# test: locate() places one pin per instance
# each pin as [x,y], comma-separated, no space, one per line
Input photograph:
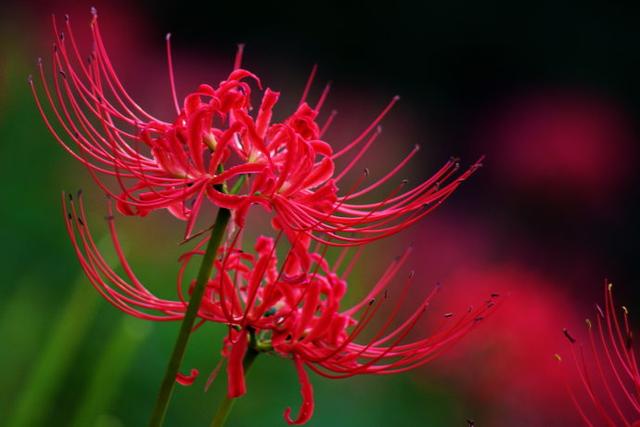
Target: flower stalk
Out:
[227,403]
[206,268]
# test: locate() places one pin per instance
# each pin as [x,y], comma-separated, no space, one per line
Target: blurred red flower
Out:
[563,145]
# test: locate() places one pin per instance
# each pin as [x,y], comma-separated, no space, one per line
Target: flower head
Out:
[299,317]
[607,368]
[218,149]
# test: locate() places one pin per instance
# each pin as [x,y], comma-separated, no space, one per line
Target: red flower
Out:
[610,378]
[215,149]
[295,316]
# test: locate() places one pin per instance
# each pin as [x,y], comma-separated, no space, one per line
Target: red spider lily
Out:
[216,149]
[610,378]
[295,316]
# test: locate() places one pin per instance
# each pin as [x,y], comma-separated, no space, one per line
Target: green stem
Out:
[227,403]
[206,268]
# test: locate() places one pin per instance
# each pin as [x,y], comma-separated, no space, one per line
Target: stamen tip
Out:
[558,357]
[167,37]
[66,17]
[566,333]
[396,98]
[30,79]
[94,11]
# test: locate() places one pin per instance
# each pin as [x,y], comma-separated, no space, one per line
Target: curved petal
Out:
[306,390]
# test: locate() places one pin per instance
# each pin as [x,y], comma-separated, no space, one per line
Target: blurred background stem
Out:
[49,370]
[110,370]
[34,399]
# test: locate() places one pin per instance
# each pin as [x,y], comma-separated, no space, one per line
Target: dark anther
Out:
[76,134]
[70,197]
[405,181]
[566,333]
[30,79]
[412,273]
[478,318]
[386,294]
[366,171]
[448,315]
[495,295]
[471,423]
[371,301]
[66,17]
[80,221]
[69,216]
[62,36]
[55,48]
[109,217]
[63,74]
[80,193]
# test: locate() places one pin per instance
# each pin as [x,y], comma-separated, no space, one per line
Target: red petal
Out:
[187,380]
[306,390]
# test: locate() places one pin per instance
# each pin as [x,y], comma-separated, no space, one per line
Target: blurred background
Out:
[547,90]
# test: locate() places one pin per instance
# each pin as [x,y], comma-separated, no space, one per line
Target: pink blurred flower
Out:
[294,316]
[564,145]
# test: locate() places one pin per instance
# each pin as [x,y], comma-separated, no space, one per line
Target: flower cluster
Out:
[607,368]
[297,317]
[214,143]
[218,149]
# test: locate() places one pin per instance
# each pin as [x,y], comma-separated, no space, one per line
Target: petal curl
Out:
[306,390]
